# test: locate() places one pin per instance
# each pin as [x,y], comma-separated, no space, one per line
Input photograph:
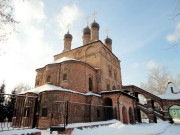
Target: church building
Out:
[83,84]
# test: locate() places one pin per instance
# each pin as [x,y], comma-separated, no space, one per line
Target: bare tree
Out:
[177,81]
[175,16]
[22,87]
[2,91]
[157,80]
[7,21]
[176,12]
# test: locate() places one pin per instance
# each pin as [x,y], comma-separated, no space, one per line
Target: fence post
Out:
[90,113]
[36,113]
[67,112]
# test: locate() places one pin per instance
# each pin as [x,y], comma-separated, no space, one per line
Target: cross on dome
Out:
[94,15]
[107,31]
[68,26]
[87,19]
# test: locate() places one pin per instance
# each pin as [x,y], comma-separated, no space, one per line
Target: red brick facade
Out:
[89,68]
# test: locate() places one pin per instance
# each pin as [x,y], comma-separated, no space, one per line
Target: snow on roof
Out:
[46,87]
[171,92]
[108,91]
[111,91]
[50,87]
[91,93]
[64,59]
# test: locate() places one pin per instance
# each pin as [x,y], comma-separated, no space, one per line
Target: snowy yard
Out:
[161,128]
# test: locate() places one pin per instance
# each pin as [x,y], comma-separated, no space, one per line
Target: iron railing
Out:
[21,111]
[66,112]
[16,111]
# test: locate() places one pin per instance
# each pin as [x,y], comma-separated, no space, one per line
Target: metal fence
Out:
[70,112]
[21,111]
[12,108]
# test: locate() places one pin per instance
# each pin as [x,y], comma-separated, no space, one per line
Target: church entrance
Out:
[124,114]
[131,116]
[108,109]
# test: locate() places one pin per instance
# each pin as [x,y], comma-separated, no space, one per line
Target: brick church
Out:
[89,75]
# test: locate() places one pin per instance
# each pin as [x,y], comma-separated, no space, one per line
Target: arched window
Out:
[124,114]
[113,88]
[115,75]
[110,72]
[64,77]
[90,84]
[48,79]
[37,82]
[44,112]
[131,116]
[108,87]
[118,87]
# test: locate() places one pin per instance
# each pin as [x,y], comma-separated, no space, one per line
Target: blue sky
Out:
[142,32]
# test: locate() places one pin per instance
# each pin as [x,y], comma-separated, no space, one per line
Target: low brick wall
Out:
[69,130]
[33,133]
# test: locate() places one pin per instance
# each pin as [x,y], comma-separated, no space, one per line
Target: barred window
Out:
[48,79]
[64,77]
[98,113]
[44,112]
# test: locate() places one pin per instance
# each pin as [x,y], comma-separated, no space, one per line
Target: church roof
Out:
[50,87]
[68,59]
[46,87]
[108,40]
[68,35]
[95,25]
[86,30]
[64,59]
[117,91]
[171,92]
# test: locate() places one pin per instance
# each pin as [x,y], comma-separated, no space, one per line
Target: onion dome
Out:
[95,25]
[86,30]
[108,40]
[68,35]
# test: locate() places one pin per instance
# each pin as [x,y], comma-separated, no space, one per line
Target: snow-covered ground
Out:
[161,128]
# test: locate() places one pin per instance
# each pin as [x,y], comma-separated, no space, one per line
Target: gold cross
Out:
[107,31]
[94,15]
[68,26]
[87,18]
